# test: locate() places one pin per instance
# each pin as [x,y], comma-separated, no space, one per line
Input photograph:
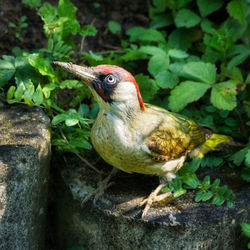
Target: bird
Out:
[138,137]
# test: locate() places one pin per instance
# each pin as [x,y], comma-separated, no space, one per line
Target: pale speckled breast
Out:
[120,147]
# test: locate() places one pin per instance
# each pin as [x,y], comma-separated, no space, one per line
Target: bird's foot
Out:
[155,197]
[102,186]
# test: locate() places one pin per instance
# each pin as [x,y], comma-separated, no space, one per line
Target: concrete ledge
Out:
[24,165]
[114,222]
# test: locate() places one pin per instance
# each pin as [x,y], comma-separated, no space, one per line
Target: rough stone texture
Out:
[24,165]
[114,221]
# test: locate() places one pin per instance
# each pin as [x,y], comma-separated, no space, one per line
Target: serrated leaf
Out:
[186,92]
[47,12]
[207,7]
[114,27]
[38,95]
[177,53]
[166,79]
[223,95]
[143,34]
[238,9]
[186,18]
[158,63]
[204,72]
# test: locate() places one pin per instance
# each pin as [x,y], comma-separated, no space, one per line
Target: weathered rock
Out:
[114,221]
[24,165]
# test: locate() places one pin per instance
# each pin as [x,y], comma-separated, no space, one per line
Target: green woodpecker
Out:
[137,137]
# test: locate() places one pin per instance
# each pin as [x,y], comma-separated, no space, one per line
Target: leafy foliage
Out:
[195,64]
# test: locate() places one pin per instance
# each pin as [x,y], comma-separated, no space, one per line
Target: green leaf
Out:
[166,79]
[247,160]
[43,65]
[11,92]
[207,7]
[147,86]
[161,21]
[181,39]
[7,70]
[223,95]
[158,63]
[246,229]
[80,143]
[238,9]
[186,92]
[143,34]
[114,27]
[195,164]
[245,174]
[48,88]
[215,185]
[218,200]
[152,50]
[186,18]
[38,95]
[47,12]
[71,121]
[70,84]
[32,3]
[28,94]
[204,72]
[19,93]
[58,119]
[177,53]
[88,30]
[191,180]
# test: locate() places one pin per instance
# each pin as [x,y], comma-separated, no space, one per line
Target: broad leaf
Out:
[114,27]
[207,7]
[158,63]
[238,9]
[185,93]
[177,53]
[204,72]
[186,18]
[223,95]
[166,79]
[38,95]
[143,34]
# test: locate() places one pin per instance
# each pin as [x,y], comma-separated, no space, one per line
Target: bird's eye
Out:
[110,79]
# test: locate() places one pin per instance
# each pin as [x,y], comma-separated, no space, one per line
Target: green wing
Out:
[174,137]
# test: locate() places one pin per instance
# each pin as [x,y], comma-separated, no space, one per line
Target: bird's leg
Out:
[101,187]
[155,197]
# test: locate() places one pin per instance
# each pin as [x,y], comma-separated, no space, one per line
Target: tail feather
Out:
[216,142]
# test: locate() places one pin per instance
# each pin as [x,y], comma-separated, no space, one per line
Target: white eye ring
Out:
[110,79]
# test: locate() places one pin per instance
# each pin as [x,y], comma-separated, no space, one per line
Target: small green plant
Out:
[195,61]
[19,27]
[246,229]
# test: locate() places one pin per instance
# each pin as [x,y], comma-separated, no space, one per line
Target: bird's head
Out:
[114,87]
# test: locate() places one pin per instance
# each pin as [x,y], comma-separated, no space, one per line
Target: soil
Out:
[127,13]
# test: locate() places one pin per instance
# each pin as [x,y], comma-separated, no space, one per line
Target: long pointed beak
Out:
[85,73]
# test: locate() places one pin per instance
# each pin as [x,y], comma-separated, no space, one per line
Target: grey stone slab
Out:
[24,172]
[114,221]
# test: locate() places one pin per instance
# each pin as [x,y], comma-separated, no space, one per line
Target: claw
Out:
[155,198]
